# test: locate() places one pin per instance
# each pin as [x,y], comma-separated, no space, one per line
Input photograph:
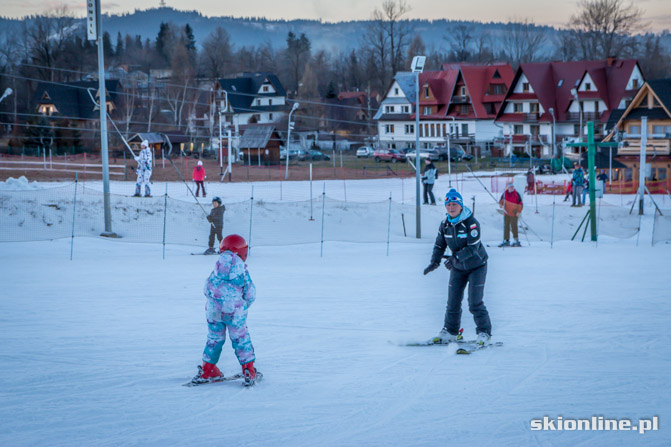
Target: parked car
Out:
[314,154]
[364,152]
[458,154]
[431,154]
[294,154]
[388,155]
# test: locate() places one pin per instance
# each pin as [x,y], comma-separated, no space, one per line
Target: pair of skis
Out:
[197,381]
[465,347]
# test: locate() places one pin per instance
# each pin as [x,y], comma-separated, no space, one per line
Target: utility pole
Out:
[642,168]
[417,67]
[95,32]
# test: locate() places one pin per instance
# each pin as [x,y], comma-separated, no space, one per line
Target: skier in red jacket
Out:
[199,177]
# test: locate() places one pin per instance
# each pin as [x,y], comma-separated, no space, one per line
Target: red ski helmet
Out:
[236,244]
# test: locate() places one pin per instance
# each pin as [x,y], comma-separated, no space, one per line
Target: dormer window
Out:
[634,83]
[426,92]
[463,91]
[265,89]
[525,87]
[588,86]
[427,110]
[395,90]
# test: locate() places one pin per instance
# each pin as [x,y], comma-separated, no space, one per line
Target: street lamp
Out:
[289,126]
[574,92]
[417,67]
[449,155]
[8,91]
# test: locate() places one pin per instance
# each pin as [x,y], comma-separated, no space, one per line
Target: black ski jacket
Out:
[463,240]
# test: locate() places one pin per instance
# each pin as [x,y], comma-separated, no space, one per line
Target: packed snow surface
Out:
[94,351]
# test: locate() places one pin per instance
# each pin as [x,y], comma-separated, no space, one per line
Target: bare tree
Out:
[45,39]
[461,40]
[522,41]
[417,47]
[604,27]
[375,41]
[217,54]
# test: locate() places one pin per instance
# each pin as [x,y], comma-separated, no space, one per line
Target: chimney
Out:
[610,61]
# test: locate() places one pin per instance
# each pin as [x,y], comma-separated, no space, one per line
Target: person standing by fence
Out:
[511,203]
[429,178]
[199,177]
[144,169]
[578,182]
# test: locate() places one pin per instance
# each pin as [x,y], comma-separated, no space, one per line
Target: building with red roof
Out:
[458,103]
[559,98]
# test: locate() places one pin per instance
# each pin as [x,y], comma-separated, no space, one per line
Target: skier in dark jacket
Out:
[460,231]
[216,219]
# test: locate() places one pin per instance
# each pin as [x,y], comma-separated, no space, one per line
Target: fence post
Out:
[321,252]
[165,216]
[251,208]
[389,224]
[74,208]
[552,232]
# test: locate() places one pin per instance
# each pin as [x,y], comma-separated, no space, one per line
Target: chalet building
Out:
[562,96]
[460,101]
[72,101]
[350,112]
[653,101]
[250,98]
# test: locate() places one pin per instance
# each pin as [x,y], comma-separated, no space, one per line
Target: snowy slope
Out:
[94,350]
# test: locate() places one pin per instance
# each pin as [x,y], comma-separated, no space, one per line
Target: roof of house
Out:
[478,78]
[72,99]
[552,83]
[256,137]
[243,90]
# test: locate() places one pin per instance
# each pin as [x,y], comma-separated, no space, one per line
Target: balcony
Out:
[586,116]
[531,117]
[461,99]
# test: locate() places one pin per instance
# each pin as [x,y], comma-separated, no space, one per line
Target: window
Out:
[634,83]
[388,109]
[463,91]
[560,83]
[634,129]
[667,129]
[464,109]
[432,130]
[265,89]
[533,107]
[464,129]
[588,86]
[661,174]
[427,110]
[534,130]
[525,87]
[405,109]
[270,102]
[426,92]
[258,102]
[497,89]
[517,107]
[388,128]
[409,129]
[396,91]
[658,129]
[270,117]
[518,129]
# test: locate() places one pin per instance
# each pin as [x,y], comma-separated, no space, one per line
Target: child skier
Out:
[230,292]
[216,219]
[144,170]
[199,177]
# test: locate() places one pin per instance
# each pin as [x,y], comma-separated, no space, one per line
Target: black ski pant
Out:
[428,193]
[476,288]
[215,231]
[200,185]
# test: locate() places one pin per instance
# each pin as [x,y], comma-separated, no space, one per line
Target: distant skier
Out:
[578,182]
[511,203]
[230,292]
[144,169]
[199,177]
[428,179]
[460,231]
[216,219]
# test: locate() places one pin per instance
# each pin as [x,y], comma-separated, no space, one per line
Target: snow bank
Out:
[20,184]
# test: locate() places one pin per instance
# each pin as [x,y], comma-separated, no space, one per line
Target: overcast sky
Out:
[550,12]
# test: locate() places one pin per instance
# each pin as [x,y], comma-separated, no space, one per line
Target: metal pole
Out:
[74,209]
[321,250]
[230,167]
[165,217]
[552,232]
[641,169]
[449,162]
[221,159]
[311,218]
[251,208]
[418,212]
[102,101]
[591,153]
[389,224]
